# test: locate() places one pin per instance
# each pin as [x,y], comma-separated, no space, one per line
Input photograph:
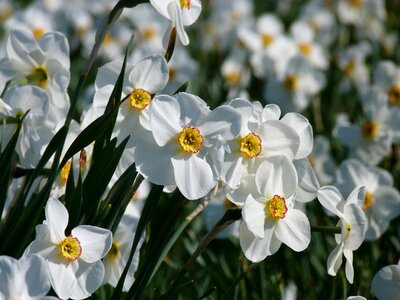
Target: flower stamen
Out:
[70,248]
[251,145]
[276,207]
[139,99]
[190,139]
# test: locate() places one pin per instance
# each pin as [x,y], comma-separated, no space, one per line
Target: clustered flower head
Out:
[295,106]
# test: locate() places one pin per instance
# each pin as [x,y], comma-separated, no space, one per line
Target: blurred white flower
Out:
[386,283]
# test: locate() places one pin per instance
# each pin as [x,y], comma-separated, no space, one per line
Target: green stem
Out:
[326,229]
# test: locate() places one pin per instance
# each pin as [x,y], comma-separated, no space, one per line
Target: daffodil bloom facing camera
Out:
[270,219]
[187,143]
[353,223]
[74,261]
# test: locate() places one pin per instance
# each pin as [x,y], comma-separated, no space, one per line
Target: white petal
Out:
[36,275]
[335,259]
[57,218]
[223,123]
[164,119]
[150,74]
[176,16]
[385,283]
[9,275]
[193,176]
[276,176]
[279,139]
[303,128]
[271,112]
[294,230]
[331,199]
[358,226]
[256,249]
[357,196]
[253,213]
[95,242]
[88,279]
[349,265]
[308,182]
[62,278]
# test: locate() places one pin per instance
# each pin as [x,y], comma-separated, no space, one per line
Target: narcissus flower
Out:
[74,261]
[353,224]
[386,283]
[270,219]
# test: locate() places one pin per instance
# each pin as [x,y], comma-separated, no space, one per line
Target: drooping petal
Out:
[164,119]
[349,265]
[331,199]
[253,213]
[256,249]
[95,242]
[176,16]
[335,259]
[276,176]
[57,218]
[294,230]
[193,176]
[150,74]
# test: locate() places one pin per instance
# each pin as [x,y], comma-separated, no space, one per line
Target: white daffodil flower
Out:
[141,82]
[358,12]
[43,62]
[270,219]
[386,283]
[74,261]
[116,259]
[295,86]
[26,278]
[382,200]
[353,224]
[189,138]
[181,13]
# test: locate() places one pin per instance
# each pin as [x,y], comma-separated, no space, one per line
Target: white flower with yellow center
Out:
[270,219]
[181,13]
[74,261]
[353,223]
[382,200]
[43,62]
[295,85]
[189,138]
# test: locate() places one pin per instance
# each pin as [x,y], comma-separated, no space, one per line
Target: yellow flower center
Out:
[148,33]
[185,3]
[107,39]
[369,200]
[39,76]
[267,39]
[349,69]
[305,49]
[370,129]
[38,32]
[250,145]
[394,95]
[65,172]
[276,207]
[290,82]
[114,251]
[70,248]
[356,3]
[233,77]
[139,99]
[190,139]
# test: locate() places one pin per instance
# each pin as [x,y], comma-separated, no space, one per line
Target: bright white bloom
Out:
[295,86]
[358,12]
[386,283]
[117,258]
[43,62]
[322,161]
[382,200]
[270,218]
[26,278]
[353,224]
[74,261]
[190,137]
[180,12]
